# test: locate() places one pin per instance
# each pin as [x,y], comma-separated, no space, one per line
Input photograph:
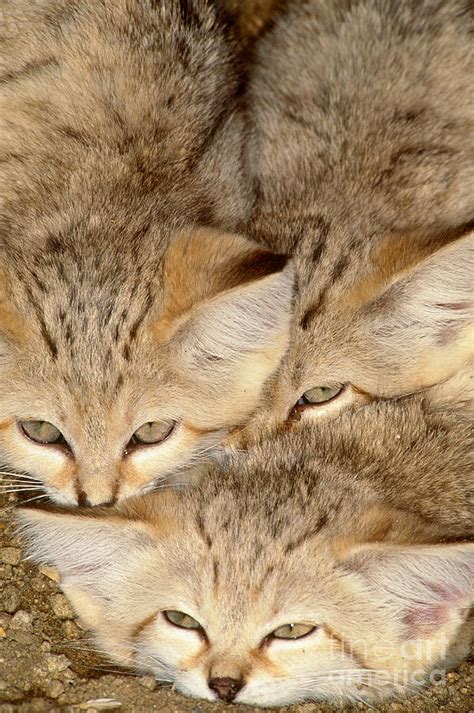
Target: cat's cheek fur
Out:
[170,459]
[193,683]
[51,465]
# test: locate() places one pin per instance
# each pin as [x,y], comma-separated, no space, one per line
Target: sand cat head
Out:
[269,584]
[406,326]
[116,374]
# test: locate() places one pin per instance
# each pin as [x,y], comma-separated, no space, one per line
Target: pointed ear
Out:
[429,587]
[80,546]
[230,328]
[234,342]
[422,327]
[75,542]
[87,551]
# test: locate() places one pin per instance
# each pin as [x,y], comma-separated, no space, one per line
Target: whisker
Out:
[20,486]
[37,497]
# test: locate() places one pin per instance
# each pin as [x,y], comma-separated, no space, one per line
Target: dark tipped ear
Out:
[231,344]
[421,329]
[203,263]
[426,586]
[231,339]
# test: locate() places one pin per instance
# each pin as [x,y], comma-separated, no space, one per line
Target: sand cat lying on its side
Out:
[308,568]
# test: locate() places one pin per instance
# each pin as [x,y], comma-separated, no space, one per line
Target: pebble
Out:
[10,599]
[56,664]
[54,689]
[50,572]
[61,607]
[10,555]
[70,630]
[21,620]
[3,633]
[99,704]
[147,682]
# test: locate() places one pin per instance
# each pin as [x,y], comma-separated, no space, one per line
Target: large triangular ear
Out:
[78,544]
[427,589]
[85,549]
[228,316]
[421,329]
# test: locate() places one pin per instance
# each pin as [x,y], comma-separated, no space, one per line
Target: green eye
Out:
[153,432]
[319,395]
[292,631]
[179,618]
[41,432]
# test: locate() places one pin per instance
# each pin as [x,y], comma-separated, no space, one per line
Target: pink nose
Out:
[226,688]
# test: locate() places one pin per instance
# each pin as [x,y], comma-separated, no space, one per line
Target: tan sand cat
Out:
[133,333]
[361,151]
[308,568]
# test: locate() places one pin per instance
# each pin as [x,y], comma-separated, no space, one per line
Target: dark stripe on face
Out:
[139,628]
[146,308]
[312,312]
[215,572]
[202,531]
[47,337]
[306,536]
[268,572]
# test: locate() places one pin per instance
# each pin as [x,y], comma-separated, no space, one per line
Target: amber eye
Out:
[292,631]
[179,618]
[153,432]
[41,432]
[319,395]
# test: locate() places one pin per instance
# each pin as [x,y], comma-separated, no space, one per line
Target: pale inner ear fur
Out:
[202,263]
[226,320]
[420,331]
[429,587]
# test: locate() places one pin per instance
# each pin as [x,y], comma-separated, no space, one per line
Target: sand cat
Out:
[135,327]
[308,568]
[361,149]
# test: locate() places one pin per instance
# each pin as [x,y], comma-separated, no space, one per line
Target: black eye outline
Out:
[273,637]
[60,442]
[198,628]
[303,403]
[135,442]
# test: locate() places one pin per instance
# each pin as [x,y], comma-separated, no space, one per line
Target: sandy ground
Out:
[46,663]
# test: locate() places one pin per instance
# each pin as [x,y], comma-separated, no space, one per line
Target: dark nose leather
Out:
[84,502]
[226,688]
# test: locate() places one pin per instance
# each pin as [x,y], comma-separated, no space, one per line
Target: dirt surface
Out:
[46,663]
